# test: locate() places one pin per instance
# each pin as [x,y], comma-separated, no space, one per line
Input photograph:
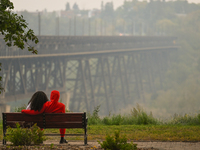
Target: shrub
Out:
[25,136]
[94,118]
[117,119]
[107,121]
[117,143]
[19,109]
[198,116]
[66,110]
[142,118]
[185,120]
[114,120]
[138,117]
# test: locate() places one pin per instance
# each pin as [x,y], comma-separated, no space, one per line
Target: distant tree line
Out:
[132,18]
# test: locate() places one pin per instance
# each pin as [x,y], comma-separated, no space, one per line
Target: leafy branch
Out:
[15,28]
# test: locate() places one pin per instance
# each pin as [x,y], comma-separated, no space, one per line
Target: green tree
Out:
[67,6]
[75,7]
[109,10]
[166,26]
[15,29]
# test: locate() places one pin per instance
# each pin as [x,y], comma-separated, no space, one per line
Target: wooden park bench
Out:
[47,120]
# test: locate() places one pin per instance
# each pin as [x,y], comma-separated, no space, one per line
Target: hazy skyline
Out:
[51,5]
[54,5]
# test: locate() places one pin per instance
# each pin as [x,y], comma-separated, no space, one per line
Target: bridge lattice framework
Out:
[109,71]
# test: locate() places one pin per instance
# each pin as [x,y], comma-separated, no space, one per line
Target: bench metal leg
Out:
[4,142]
[85,135]
[4,135]
[4,127]
[85,139]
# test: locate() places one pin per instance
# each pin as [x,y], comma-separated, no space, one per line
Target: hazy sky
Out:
[51,5]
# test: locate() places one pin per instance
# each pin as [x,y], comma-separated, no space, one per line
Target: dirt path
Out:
[78,145]
[50,144]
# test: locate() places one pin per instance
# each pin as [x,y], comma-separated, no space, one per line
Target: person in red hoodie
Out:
[39,104]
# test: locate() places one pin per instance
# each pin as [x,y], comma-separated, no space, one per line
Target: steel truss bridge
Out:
[111,71]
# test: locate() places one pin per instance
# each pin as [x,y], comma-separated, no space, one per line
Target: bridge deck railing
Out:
[74,44]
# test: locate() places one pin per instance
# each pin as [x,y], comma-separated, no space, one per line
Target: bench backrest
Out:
[46,120]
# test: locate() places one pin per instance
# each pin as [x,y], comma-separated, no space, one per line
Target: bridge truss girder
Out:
[113,81]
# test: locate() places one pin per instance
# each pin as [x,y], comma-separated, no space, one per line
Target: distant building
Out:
[35,13]
[67,14]
[181,15]
[94,13]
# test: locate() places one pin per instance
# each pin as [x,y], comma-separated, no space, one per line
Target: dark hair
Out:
[37,100]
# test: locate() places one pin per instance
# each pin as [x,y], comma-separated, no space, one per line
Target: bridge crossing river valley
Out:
[110,71]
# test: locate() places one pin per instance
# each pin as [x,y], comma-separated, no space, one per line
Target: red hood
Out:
[55,95]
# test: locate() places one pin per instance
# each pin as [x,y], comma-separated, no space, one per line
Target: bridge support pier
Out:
[4,108]
[65,98]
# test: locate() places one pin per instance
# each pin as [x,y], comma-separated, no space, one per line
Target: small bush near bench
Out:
[25,136]
[117,143]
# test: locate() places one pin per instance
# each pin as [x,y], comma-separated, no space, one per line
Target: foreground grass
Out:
[149,133]
[138,132]
[134,132]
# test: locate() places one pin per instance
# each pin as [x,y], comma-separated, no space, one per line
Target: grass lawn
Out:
[139,132]
[147,132]
[136,132]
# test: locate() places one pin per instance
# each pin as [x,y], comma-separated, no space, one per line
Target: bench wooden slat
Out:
[64,125]
[63,117]
[65,134]
[23,117]
[66,114]
[40,119]
[47,125]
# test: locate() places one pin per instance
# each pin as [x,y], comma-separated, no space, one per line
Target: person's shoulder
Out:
[61,104]
[47,103]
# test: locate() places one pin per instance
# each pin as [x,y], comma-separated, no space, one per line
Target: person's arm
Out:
[28,107]
[33,112]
